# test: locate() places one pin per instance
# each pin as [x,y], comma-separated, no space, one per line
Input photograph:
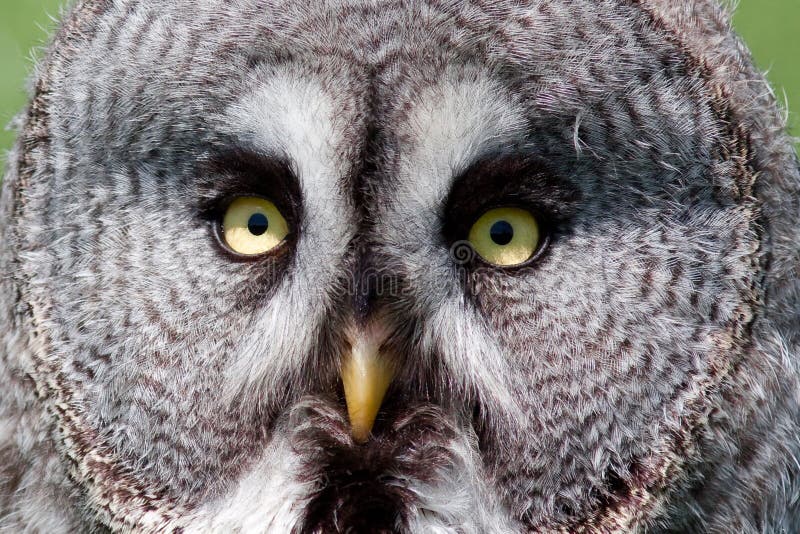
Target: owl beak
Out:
[366,375]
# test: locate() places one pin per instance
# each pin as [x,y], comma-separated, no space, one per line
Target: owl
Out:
[425,266]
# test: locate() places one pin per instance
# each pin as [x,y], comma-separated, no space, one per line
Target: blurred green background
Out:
[771,28]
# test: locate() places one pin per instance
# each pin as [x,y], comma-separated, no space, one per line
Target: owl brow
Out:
[503,179]
[238,171]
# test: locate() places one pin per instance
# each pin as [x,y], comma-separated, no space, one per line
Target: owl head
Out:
[415,266]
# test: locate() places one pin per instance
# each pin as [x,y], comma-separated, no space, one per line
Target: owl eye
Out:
[253,226]
[505,236]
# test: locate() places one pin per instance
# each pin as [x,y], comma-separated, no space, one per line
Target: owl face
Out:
[408,266]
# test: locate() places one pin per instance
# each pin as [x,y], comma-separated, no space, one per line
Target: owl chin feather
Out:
[172,362]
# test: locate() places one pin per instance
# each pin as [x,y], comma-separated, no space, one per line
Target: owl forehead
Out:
[415,143]
[408,130]
[417,88]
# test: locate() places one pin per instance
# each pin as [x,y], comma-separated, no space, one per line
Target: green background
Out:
[771,28]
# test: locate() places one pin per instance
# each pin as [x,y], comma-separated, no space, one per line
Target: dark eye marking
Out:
[509,179]
[226,174]
[240,172]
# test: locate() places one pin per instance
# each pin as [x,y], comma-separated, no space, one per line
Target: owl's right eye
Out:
[253,226]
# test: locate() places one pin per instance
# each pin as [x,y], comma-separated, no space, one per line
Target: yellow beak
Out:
[366,375]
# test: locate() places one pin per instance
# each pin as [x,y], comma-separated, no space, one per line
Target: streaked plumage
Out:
[640,375]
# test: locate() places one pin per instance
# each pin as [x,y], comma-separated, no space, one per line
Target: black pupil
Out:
[502,232]
[258,224]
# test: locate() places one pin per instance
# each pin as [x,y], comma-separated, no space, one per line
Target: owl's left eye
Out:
[253,226]
[506,237]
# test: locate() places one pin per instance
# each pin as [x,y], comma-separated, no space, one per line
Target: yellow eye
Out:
[253,226]
[505,236]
